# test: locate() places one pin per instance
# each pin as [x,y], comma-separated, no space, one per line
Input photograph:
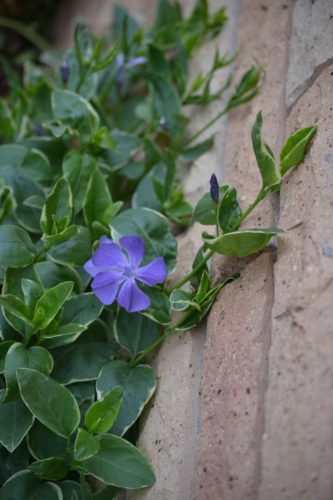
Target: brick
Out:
[236,350]
[310,45]
[297,453]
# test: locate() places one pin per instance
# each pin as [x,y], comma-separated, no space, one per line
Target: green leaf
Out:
[75,251]
[83,43]
[138,384]
[52,468]
[18,356]
[37,166]
[247,88]
[64,235]
[50,274]
[75,111]
[58,208]
[205,210]
[16,248]
[243,242]
[31,291]
[85,446]
[191,154]
[77,169]
[103,413]
[81,309]
[295,147]
[50,303]
[103,139]
[83,360]
[98,204]
[11,463]
[49,401]
[135,332]
[159,309]
[70,489]
[15,422]
[12,286]
[25,484]
[120,464]
[15,306]
[154,230]
[269,170]
[229,211]
[43,443]
[181,300]
[4,348]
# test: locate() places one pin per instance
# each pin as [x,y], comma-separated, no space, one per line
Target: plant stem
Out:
[260,196]
[194,271]
[27,32]
[153,346]
[207,126]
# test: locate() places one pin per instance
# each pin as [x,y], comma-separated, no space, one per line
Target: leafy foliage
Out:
[90,151]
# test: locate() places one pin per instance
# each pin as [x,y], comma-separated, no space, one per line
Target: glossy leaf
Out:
[77,169]
[25,484]
[243,242]
[270,174]
[43,443]
[135,332]
[75,251]
[49,304]
[57,211]
[15,422]
[16,248]
[228,212]
[50,402]
[18,356]
[52,468]
[85,446]
[119,463]
[50,274]
[103,413]
[295,147]
[138,384]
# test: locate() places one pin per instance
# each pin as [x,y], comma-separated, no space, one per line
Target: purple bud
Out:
[64,70]
[164,124]
[214,188]
[38,129]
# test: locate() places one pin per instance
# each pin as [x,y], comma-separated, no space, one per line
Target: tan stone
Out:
[297,454]
[235,363]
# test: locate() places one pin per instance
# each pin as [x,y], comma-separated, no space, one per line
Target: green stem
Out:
[190,275]
[27,32]
[153,346]
[207,126]
[260,196]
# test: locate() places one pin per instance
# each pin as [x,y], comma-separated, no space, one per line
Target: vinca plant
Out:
[90,202]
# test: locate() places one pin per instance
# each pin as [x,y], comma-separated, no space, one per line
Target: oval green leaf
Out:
[242,243]
[16,248]
[119,463]
[138,384]
[49,401]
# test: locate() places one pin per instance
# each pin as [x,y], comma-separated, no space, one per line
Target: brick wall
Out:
[244,408]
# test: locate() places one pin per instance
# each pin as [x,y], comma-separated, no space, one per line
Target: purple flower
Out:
[122,65]
[214,188]
[115,269]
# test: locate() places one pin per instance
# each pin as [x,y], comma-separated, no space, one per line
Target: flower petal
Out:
[153,273]
[90,268]
[132,298]
[109,255]
[105,286]
[134,248]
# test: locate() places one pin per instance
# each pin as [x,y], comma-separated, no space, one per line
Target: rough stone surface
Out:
[310,46]
[235,365]
[298,432]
